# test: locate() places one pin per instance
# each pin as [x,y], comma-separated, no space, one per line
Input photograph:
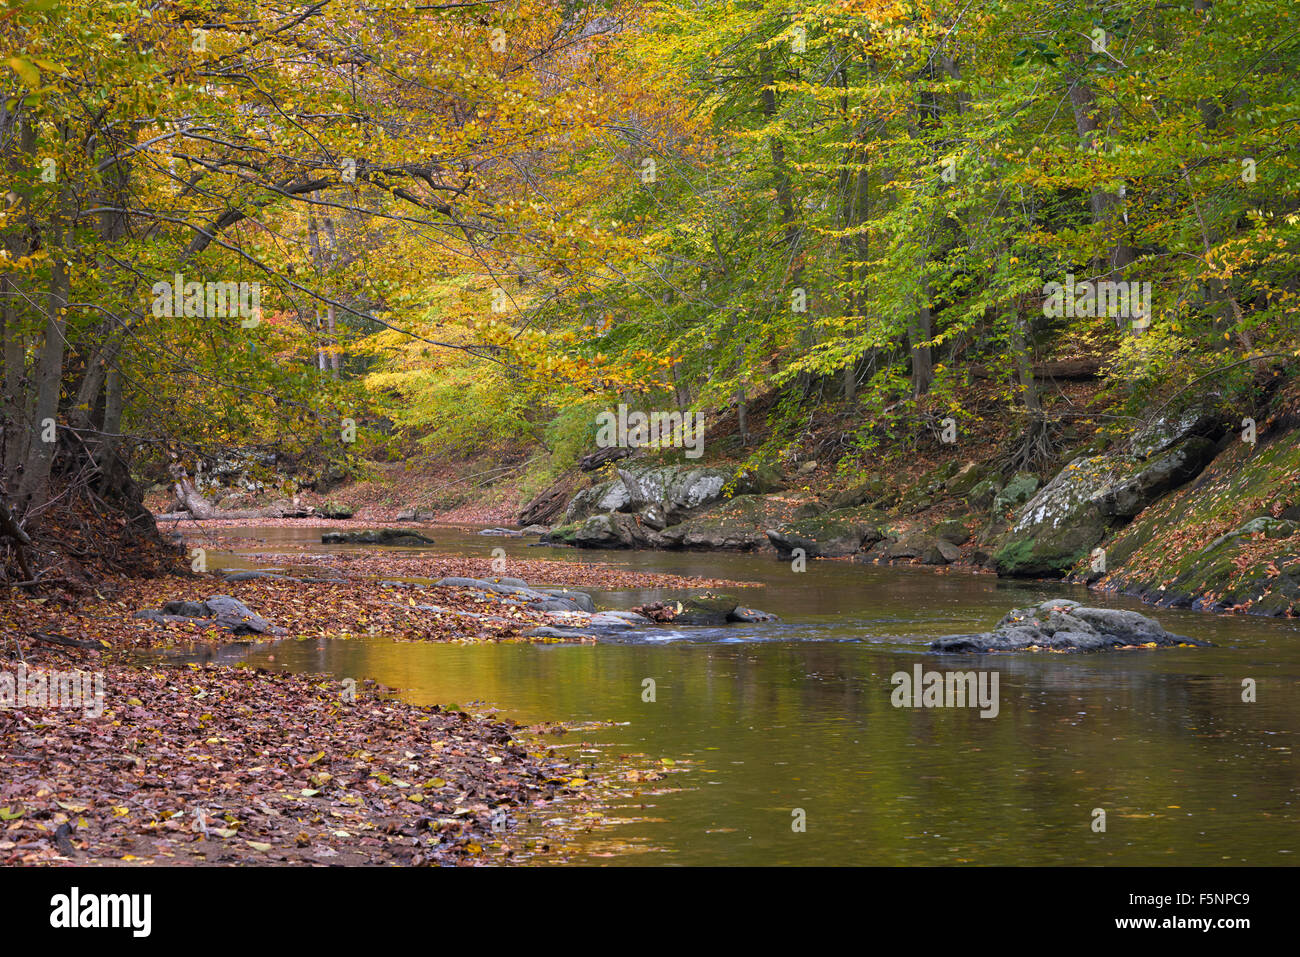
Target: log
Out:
[1085,368]
[589,463]
[550,503]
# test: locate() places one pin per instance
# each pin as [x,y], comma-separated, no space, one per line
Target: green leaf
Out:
[26,70]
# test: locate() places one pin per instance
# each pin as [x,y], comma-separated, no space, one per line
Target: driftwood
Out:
[549,504]
[68,642]
[589,463]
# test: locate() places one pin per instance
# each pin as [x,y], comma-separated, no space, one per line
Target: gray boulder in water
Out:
[222,611]
[1061,625]
[377,536]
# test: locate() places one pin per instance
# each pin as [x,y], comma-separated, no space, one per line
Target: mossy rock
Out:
[562,534]
[965,479]
[983,492]
[953,531]
[706,610]
[739,524]
[333,510]
[833,534]
[1018,490]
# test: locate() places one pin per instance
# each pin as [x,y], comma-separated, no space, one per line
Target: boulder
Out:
[221,611]
[1087,500]
[613,530]
[1061,625]
[677,489]
[952,531]
[538,599]
[965,479]
[983,493]
[706,610]
[1016,492]
[750,615]
[579,598]
[737,524]
[833,534]
[376,536]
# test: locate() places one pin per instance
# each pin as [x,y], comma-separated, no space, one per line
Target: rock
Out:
[940,553]
[759,480]
[380,536]
[750,615]
[952,531]
[738,524]
[1205,421]
[706,610]
[538,599]
[983,493]
[332,510]
[186,609]
[616,620]
[965,479]
[561,535]
[510,532]
[807,510]
[834,534]
[551,631]
[862,494]
[612,530]
[628,616]
[555,604]
[232,575]
[653,517]
[221,611]
[534,530]
[1087,500]
[1016,492]
[1061,625]
[916,545]
[579,598]
[677,489]
[414,515]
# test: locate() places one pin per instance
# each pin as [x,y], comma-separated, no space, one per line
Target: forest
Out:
[971,291]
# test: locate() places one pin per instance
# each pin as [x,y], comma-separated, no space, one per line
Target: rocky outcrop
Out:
[1060,625]
[833,534]
[1094,495]
[676,489]
[737,524]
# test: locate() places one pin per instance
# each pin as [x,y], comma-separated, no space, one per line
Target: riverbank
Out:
[227,765]
[161,762]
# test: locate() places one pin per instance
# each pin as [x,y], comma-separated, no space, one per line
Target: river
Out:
[776,719]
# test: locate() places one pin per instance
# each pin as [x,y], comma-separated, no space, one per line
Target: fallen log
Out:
[1085,368]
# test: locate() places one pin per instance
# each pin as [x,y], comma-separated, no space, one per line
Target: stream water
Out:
[798,715]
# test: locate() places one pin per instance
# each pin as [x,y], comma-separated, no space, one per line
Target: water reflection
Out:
[798,715]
